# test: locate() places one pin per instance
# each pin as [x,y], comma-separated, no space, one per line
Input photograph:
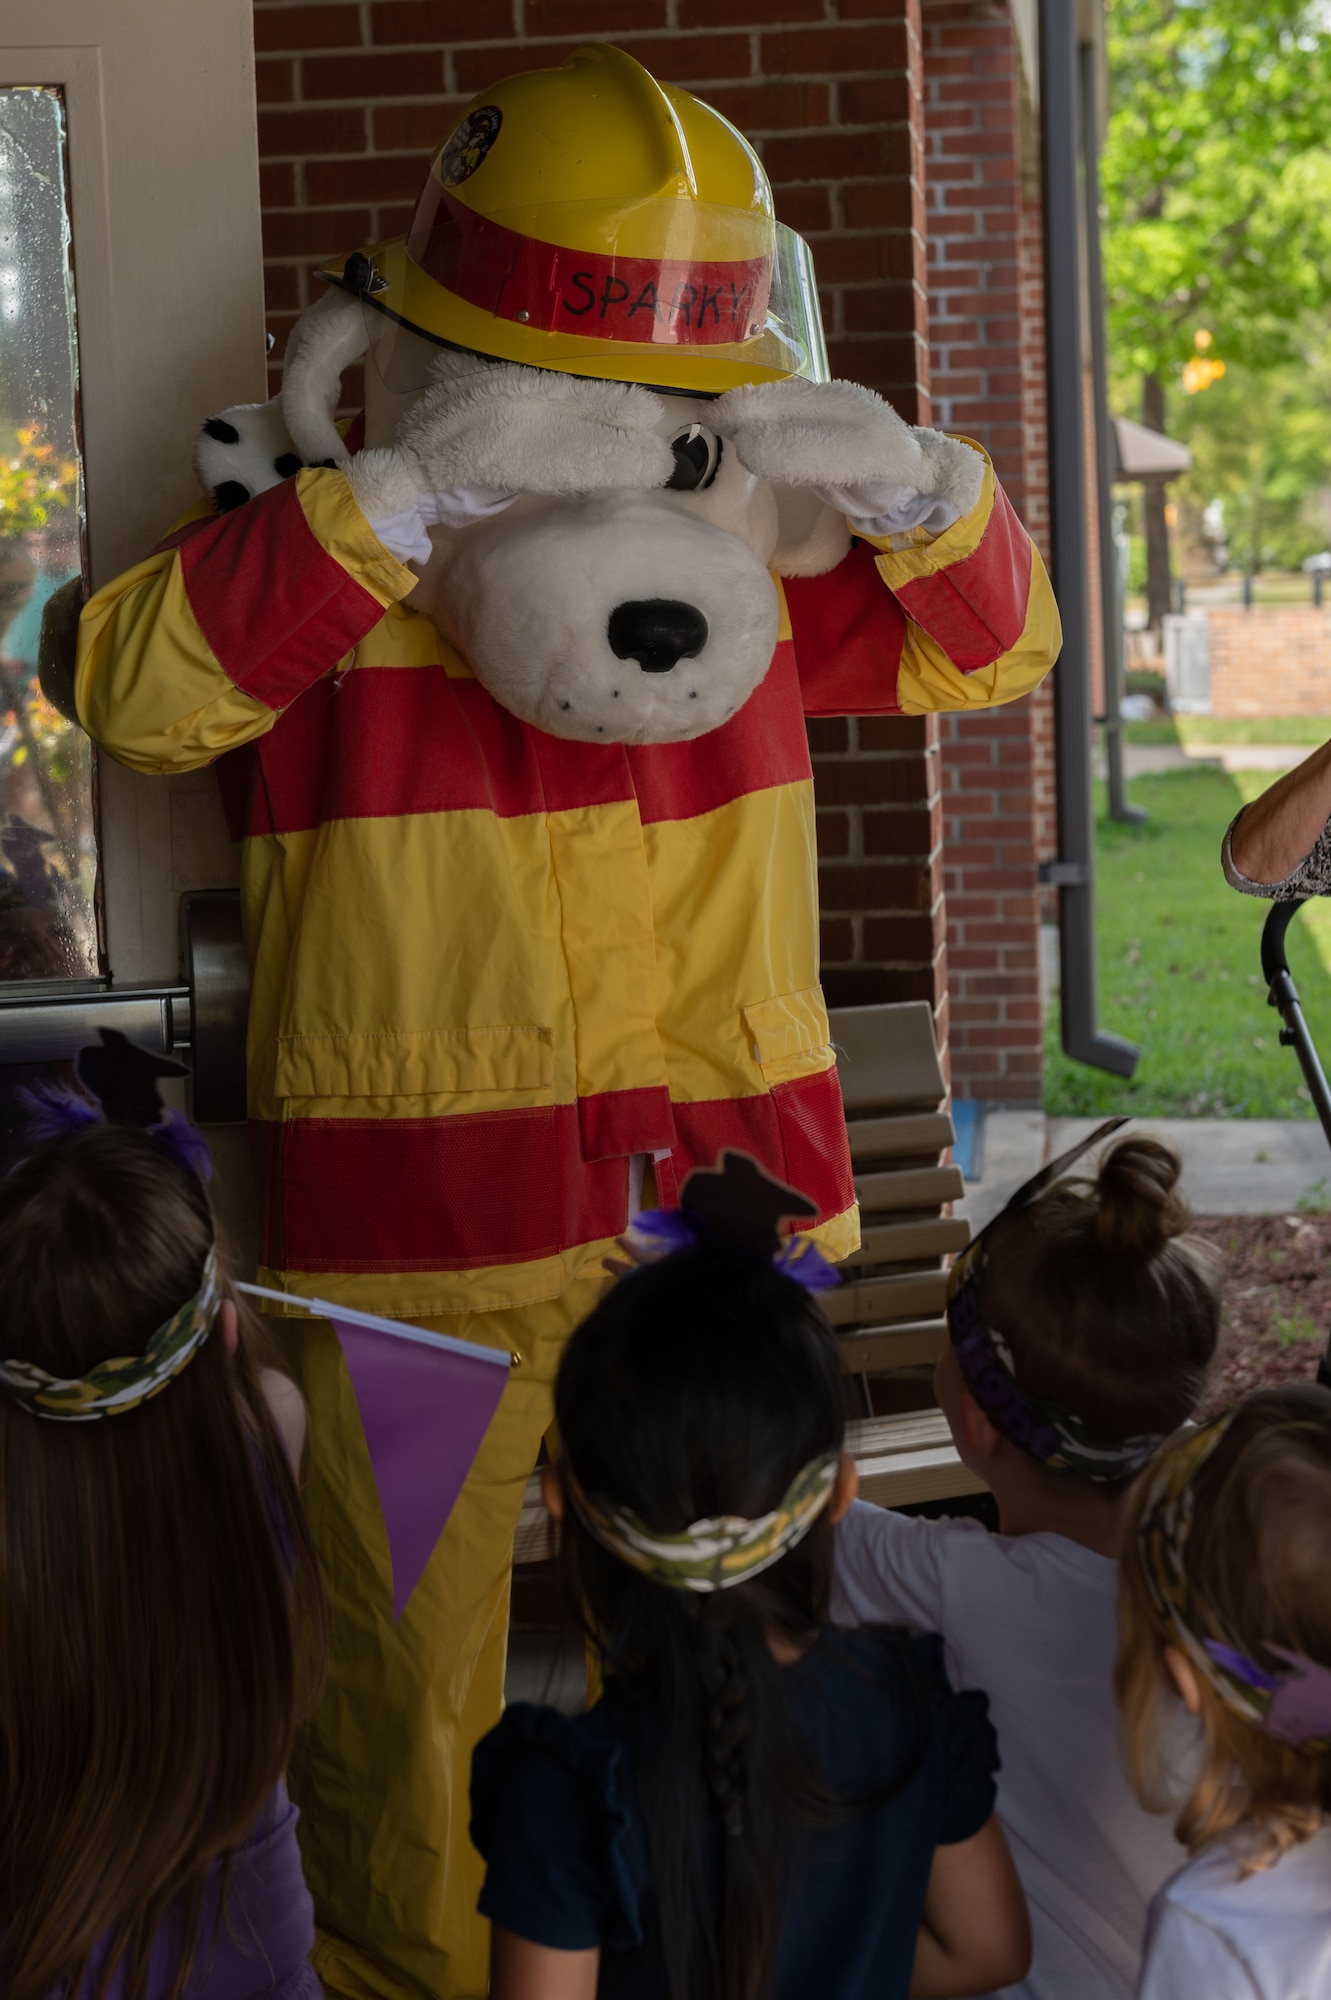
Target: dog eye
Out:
[697,456]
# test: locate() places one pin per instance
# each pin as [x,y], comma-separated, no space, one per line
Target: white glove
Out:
[852,449]
[405,533]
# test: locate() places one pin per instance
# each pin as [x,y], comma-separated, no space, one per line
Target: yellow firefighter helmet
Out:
[592,220]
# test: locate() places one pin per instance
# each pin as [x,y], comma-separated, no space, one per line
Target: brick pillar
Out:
[986,328]
[355,95]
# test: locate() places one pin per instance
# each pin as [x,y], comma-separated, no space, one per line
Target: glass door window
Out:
[48,852]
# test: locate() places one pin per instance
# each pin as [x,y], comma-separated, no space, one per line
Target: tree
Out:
[1217,188]
[1261,445]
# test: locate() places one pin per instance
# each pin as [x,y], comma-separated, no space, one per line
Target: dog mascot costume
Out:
[509,693]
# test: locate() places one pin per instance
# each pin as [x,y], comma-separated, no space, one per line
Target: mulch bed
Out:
[1277,1300]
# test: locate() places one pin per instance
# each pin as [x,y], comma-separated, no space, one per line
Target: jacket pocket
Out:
[416,1063]
[789,1035]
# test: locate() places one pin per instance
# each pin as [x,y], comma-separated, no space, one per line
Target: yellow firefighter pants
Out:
[382,1771]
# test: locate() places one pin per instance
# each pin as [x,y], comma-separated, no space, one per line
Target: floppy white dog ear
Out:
[324,342]
[533,430]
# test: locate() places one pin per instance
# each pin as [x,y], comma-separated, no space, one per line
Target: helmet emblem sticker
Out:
[468,146]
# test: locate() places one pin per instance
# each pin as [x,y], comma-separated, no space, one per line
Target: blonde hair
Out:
[1258,1566]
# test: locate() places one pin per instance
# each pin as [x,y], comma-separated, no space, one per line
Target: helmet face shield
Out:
[674,292]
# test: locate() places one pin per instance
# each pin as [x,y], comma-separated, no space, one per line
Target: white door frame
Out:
[168,273]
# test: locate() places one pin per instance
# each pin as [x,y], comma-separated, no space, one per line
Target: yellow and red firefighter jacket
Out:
[489,966]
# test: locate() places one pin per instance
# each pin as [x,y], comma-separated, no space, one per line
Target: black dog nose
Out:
[656,632]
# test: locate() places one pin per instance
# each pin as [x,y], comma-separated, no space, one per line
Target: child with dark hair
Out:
[1082,1326]
[1225,1602]
[160,1613]
[755,1805]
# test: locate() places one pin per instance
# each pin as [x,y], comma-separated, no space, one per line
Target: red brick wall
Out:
[354,96]
[986,363]
[1274,659]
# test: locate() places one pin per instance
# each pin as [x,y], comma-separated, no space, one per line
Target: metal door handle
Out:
[217,977]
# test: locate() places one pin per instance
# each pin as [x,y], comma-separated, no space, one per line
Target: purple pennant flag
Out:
[425,1403]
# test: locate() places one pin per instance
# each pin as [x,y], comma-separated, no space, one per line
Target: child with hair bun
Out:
[756,1805]
[1082,1324]
[1226,1601]
[161,1621]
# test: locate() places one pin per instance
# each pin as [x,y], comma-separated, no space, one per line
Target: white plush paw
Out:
[529,430]
[851,447]
[798,433]
[244,451]
[386,481]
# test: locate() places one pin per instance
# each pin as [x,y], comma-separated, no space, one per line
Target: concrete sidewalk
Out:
[1231,1166]
[1146,760]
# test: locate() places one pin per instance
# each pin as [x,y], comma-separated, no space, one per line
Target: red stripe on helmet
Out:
[652,300]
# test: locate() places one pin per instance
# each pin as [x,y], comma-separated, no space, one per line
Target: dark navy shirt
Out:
[555,1815]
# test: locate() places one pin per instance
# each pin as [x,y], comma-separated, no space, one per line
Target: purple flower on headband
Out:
[661,1231]
[1242,1668]
[53,1110]
[992,1387]
[664,1230]
[1299,1710]
[800,1258]
[185,1143]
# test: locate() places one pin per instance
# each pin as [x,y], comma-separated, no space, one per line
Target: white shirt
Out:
[1215,1936]
[1033,1621]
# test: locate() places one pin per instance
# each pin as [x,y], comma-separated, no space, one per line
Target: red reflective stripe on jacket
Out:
[615,1122]
[848,632]
[797,1131]
[275,608]
[764,745]
[437,1194]
[384,742]
[976,609]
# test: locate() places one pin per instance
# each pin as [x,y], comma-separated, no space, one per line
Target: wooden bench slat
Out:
[874,1350]
[532,1543]
[910,1132]
[900,1295]
[887,1056]
[906,1458]
[905,1242]
[909,1187]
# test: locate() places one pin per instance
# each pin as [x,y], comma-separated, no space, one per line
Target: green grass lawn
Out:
[1310,729]
[1178,966]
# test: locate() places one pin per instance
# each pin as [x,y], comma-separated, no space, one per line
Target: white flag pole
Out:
[399,1329]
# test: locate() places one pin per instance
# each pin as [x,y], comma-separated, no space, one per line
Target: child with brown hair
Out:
[1082,1324]
[757,1807]
[160,1615]
[1226,1600]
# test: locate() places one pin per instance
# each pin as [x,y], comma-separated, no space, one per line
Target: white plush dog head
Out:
[633,616]
[619,589]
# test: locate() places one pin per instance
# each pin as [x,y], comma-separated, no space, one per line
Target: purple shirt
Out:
[267,1931]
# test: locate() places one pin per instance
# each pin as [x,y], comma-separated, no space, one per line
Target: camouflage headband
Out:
[714,1554]
[1292,1704]
[121,1384]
